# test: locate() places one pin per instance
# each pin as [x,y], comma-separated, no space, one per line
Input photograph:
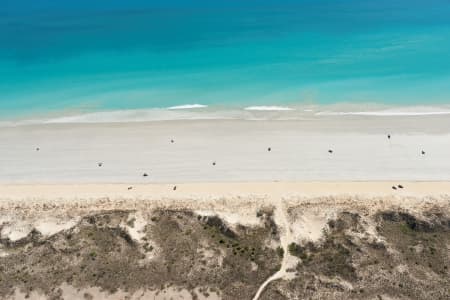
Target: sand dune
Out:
[206,233]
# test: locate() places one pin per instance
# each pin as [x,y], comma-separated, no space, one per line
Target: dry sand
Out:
[267,190]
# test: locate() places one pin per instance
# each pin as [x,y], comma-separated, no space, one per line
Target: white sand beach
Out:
[70,153]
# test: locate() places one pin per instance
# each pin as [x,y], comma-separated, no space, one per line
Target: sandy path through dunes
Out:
[281,219]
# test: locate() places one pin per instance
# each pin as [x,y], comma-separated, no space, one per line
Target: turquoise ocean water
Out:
[76,57]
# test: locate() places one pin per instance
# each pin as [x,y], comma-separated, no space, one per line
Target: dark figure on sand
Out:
[145,174]
[172,141]
[394,187]
[423,152]
[389,136]
[214,163]
[37,149]
[400,186]
[130,188]
[175,188]
[330,151]
[269,149]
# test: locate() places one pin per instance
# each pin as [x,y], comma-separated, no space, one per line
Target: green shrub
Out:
[297,250]
[280,252]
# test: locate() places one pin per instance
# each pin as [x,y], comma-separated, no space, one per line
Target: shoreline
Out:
[217,112]
[317,122]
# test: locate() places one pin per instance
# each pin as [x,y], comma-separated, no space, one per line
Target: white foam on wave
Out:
[269,108]
[399,112]
[187,106]
[136,115]
[102,117]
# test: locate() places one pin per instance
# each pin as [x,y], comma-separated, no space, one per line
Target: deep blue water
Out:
[107,55]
